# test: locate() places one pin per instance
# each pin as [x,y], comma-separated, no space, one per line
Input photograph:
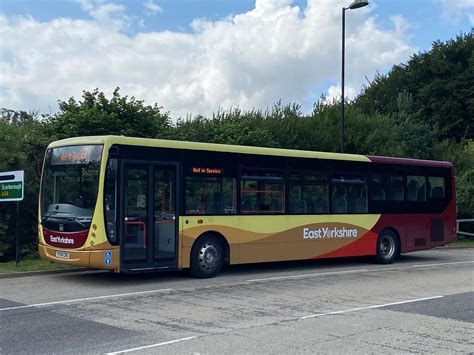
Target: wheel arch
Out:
[221,238]
[397,234]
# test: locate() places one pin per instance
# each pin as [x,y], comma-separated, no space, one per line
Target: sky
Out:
[198,56]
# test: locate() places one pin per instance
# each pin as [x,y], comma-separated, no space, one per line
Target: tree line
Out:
[423,108]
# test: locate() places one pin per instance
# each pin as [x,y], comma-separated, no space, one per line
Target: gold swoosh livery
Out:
[273,238]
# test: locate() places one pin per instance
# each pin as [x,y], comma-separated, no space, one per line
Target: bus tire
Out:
[207,257]
[388,247]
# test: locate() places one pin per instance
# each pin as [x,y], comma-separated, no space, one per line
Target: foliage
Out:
[96,115]
[463,158]
[287,127]
[440,82]
[22,145]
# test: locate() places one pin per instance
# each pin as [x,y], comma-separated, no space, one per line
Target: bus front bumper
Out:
[97,259]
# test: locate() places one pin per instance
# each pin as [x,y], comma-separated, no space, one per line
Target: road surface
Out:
[422,303]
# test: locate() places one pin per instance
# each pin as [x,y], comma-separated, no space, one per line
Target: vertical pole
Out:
[342,77]
[17,258]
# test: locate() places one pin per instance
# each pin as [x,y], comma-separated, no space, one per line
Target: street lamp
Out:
[355,5]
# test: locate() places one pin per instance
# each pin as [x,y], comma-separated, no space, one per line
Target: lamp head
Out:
[358,3]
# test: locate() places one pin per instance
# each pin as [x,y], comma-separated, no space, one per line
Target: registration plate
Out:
[63,254]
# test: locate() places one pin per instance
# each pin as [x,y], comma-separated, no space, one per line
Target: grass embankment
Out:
[462,242]
[30,265]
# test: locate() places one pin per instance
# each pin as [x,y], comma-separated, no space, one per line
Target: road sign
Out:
[12,186]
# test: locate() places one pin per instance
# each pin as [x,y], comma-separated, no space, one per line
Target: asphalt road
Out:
[423,303]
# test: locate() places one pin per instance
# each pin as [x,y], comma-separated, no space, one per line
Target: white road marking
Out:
[252,280]
[369,307]
[453,263]
[84,299]
[310,275]
[356,271]
[151,346]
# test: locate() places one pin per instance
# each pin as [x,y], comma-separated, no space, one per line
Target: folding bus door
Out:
[149,229]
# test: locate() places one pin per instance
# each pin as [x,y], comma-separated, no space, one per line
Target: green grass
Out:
[462,242]
[30,265]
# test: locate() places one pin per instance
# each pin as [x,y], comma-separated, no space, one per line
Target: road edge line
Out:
[152,345]
[370,307]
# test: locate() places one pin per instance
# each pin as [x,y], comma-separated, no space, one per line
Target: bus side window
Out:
[210,195]
[349,194]
[416,188]
[309,194]
[387,187]
[437,188]
[262,192]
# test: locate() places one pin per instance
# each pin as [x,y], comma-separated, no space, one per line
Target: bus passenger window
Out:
[436,187]
[262,193]
[210,195]
[349,194]
[416,188]
[309,194]
[387,187]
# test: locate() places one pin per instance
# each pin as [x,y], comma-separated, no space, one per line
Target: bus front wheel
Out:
[207,257]
[388,247]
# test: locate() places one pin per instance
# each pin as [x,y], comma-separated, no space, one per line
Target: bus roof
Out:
[162,143]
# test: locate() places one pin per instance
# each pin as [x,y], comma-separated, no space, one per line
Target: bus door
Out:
[149,228]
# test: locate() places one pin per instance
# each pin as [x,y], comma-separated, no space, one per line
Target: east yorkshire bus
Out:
[135,204]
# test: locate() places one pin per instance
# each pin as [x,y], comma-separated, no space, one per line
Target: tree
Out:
[97,115]
[440,82]
[22,145]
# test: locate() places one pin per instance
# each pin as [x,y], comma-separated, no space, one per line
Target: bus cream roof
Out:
[162,143]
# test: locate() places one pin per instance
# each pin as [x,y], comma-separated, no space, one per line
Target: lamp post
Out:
[355,5]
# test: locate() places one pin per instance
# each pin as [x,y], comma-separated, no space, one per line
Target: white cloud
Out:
[453,11]
[152,8]
[107,14]
[251,60]
[334,92]
[401,25]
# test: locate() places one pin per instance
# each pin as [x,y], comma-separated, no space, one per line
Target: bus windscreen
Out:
[69,186]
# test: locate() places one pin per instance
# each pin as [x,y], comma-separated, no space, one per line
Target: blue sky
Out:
[426,15]
[391,29]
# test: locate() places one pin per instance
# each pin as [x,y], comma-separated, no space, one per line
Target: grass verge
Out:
[30,265]
[462,242]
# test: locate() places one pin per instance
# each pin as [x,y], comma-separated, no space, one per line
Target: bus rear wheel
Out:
[207,257]
[388,247]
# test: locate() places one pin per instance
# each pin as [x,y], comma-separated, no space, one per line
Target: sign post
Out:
[12,188]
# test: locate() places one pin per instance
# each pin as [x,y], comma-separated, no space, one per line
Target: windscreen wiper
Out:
[75,220]
[45,218]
